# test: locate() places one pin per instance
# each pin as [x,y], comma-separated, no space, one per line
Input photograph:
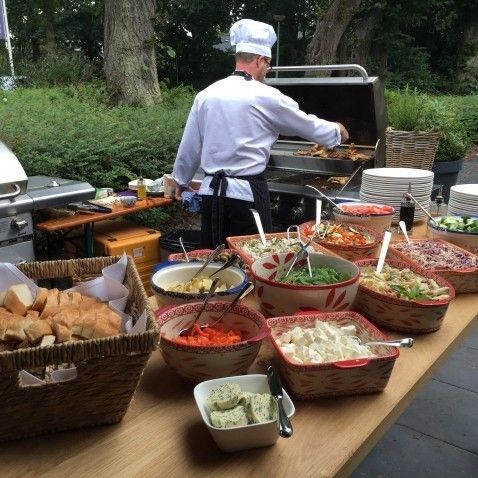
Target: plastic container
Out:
[170,242]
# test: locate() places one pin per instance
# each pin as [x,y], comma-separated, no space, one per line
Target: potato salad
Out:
[199,285]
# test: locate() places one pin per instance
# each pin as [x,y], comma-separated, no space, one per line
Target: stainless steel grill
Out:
[357,102]
[20,196]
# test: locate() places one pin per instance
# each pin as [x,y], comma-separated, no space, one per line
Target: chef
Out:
[229,133]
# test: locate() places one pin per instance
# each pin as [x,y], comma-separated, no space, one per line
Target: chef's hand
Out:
[178,191]
[344,134]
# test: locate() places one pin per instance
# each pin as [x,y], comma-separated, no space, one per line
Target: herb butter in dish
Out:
[240,398]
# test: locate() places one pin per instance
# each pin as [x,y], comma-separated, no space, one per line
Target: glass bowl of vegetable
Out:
[376,216]
[459,230]
[349,241]
[210,350]
[403,297]
[332,287]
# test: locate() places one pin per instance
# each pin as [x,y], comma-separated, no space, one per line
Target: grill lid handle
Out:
[357,68]
[15,193]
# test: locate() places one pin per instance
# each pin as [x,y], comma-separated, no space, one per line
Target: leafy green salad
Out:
[320,276]
[463,224]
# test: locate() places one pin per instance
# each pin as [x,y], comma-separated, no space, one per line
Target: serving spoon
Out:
[408,342]
[228,263]
[184,249]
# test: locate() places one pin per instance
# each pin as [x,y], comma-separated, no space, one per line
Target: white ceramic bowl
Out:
[379,222]
[201,362]
[128,201]
[466,240]
[277,298]
[245,437]
[182,272]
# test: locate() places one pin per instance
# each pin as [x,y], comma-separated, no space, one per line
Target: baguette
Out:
[18,299]
[12,327]
[37,330]
[40,299]
[3,293]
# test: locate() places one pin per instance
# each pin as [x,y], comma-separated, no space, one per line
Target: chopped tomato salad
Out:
[371,210]
[209,336]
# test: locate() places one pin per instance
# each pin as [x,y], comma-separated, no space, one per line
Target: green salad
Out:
[463,224]
[320,276]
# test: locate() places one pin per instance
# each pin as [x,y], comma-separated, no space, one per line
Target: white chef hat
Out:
[250,36]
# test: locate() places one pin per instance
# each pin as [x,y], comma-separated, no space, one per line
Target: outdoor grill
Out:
[20,196]
[357,102]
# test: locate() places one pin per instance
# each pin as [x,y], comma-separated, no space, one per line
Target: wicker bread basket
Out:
[410,149]
[108,369]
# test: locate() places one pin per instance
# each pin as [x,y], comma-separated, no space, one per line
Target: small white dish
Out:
[248,436]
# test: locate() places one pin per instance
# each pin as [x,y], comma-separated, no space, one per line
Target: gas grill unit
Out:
[20,196]
[358,102]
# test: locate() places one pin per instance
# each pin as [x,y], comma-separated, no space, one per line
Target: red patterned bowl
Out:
[198,362]
[277,298]
[349,252]
[345,377]
[415,316]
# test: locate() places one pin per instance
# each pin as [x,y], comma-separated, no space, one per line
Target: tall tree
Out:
[130,61]
[48,15]
[322,49]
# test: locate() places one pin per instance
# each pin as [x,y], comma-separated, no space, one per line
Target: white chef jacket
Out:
[232,126]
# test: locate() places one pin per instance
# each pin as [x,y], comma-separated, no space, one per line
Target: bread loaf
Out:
[40,299]
[12,327]
[18,299]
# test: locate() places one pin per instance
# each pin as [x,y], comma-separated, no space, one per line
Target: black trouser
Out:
[238,219]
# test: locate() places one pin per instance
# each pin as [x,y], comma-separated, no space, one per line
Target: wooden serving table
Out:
[162,433]
[87,219]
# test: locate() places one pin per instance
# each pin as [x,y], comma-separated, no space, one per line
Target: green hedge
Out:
[71,132]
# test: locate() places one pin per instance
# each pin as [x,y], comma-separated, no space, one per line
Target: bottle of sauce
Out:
[141,192]
[407,210]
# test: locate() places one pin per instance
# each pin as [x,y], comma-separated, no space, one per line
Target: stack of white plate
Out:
[463,200]
[387,185]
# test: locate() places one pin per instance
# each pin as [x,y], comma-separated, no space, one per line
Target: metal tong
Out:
[211,257]
[228,263]
[303,253]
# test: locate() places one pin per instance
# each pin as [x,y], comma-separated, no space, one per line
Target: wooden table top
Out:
[162,432]
[79,219]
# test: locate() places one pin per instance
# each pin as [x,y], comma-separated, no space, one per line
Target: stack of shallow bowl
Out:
[463,200]
[387,186]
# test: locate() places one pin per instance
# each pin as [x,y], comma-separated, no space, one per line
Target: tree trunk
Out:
[468,75]
[130,61]
[329,30]
[50,44]
[364,34]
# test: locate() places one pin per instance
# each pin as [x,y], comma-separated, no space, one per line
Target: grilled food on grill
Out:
[346,152]
[337,180]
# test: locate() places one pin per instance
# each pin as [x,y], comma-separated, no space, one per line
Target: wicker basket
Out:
[410,149]
[108,369]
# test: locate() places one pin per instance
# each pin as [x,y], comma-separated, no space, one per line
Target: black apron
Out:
[260,193]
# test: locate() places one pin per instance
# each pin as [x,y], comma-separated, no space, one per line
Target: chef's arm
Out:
[289,120]
[188,158]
